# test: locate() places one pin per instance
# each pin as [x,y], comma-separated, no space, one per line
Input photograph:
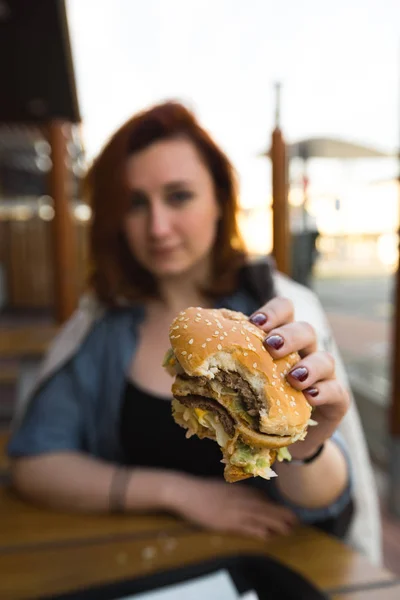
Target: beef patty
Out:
[195,401]
[234,381]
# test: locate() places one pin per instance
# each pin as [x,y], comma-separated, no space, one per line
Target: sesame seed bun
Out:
[207,342]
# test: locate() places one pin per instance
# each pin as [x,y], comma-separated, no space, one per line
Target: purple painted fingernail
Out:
[312,391]
[301,373]
[274,341]
[258,319]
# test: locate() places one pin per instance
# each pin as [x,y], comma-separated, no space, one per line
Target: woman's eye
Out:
[138,202]
[180,196]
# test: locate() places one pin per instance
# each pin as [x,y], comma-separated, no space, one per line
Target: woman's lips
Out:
[162,251]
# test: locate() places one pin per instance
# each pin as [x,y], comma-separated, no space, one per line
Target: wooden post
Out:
[280,207]
[63,234]
[394,409]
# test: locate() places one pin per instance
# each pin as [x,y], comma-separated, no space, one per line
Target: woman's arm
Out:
[315,485]
[325,481]
[76,482]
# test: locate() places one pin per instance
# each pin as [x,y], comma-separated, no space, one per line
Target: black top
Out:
[151,438]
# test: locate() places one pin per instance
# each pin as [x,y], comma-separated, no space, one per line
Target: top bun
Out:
[207,341]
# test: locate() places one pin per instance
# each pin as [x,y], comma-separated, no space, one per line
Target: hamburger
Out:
[227,387]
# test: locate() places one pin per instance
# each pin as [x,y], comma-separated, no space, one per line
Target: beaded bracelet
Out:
[118,487]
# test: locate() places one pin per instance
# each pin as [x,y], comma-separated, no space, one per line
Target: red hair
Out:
[115,272]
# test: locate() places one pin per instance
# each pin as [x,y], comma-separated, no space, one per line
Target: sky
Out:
[338,62]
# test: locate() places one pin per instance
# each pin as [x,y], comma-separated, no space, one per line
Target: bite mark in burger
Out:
[228,388]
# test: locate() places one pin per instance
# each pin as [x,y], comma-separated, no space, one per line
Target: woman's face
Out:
[172,222]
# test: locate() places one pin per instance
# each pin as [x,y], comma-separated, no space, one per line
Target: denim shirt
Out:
[78,407]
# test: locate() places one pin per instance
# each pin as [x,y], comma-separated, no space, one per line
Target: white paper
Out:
[250,596]
[218,586]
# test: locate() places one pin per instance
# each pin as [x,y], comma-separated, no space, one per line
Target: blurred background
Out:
[338,107]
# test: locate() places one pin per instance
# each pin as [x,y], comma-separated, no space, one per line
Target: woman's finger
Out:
[269,522]
[275,313]
[279,513]
[315,367]
[293,337]
[251,530]
[330,396]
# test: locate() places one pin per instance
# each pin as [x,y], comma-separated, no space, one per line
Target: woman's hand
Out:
[237,508]
[314,374]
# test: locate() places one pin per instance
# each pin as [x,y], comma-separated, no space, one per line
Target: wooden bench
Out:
[25,346]
[4,435]
[26,342]
[8,374]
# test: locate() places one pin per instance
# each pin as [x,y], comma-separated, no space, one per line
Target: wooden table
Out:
[46,553]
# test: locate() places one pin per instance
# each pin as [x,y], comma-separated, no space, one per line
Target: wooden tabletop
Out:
[392,592]
[50,570]
[49,553]
[31,341]
[24,526]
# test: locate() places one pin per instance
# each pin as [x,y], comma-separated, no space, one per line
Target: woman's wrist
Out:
[156,489]
[176,491]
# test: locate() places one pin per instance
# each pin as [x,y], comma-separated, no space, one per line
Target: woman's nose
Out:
[160,222]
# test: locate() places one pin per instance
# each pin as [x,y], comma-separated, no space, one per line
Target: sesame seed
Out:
[263,349]
[247,338]
[182,312]
[198,315]
[222,338]
[296,413]
[216,332]
[183,352]
[278,402]
[249,346]
[181,319]
[292,403]
[208,339]
[191,341]
[242,332]
[234,329]
[203,345]
[275,376]
[187,319]
[190,356]
[245,353]
[225,334]
[176,336]
[280,410]
[197,320]
[185,326]
[255,365]
[273,383]
[219,347]
[292,398]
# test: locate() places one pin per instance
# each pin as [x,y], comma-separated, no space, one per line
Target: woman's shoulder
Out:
[305,300]
[85,330]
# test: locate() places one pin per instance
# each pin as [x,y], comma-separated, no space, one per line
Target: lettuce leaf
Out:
[255,461]
[210,421]
[284,454]
[168,358]
[185,418]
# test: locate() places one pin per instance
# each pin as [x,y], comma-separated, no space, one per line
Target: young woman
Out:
[97,434]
